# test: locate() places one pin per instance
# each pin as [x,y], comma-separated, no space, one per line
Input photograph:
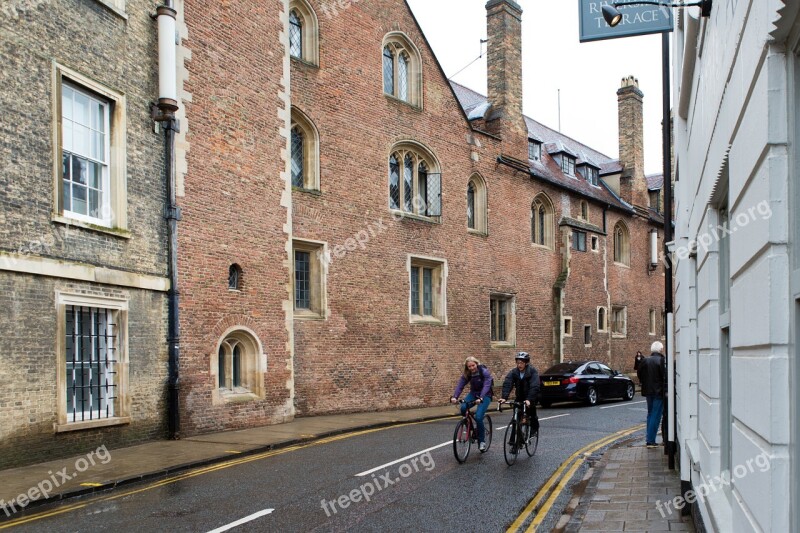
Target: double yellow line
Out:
[556,483]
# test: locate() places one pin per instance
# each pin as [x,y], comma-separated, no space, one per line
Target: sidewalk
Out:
[621,494]
[628,490]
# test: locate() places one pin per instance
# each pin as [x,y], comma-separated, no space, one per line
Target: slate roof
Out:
[655,182]
[548,169]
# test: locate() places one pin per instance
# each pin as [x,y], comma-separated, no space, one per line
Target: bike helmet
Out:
[523,356]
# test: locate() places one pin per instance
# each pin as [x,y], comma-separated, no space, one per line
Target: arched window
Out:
[238,366]
[402,69]
[235,277]
[303,32]
[542,221]
[601,319]
[305,152]
[622,250]
[476,204]
[414,183]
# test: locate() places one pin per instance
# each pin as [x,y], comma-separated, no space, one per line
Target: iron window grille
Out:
[91,363]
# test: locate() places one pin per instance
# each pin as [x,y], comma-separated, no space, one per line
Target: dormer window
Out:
[568,165]
[534,150]
[591,174]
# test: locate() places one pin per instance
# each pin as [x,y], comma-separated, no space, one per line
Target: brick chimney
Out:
[504,64]
[633,186]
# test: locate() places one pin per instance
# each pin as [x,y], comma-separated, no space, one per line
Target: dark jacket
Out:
[479,383]
[638,361]
[526,387]
[651,375]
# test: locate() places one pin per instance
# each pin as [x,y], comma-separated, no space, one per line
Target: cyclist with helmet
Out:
[480,391]
[525,381]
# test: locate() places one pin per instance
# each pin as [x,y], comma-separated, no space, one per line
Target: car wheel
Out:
[591,396]
[629,392]
[546,404]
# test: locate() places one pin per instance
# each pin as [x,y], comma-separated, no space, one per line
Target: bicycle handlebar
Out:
[514,403]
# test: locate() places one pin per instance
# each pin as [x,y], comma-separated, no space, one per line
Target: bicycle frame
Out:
[467,432]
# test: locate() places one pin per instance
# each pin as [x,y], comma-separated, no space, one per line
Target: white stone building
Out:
[737,275]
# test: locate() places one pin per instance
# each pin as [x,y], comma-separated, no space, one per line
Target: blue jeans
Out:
[479,413]
[655,405]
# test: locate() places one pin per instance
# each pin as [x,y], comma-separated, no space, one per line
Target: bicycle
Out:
[467,432]
[518,435]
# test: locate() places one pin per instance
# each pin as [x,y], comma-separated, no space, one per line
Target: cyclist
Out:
[525,381]
[480,391]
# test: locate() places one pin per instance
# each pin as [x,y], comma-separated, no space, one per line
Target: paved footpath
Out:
[625,492]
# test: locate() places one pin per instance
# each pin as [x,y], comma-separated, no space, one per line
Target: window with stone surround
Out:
[239,367]
[427,290]
[90,148]
[415,184]
[303,32]
[305,152]
[622,247]
[619,321]
[92,350]
[579,240]
[601,319]
[503,319]
[309,279]
[402,69]
[476,205]
[542,221]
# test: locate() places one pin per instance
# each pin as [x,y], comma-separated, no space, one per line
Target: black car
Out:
[587,381]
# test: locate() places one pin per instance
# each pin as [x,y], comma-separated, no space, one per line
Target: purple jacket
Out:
[480,381]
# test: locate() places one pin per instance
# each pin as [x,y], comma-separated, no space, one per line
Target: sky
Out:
[586,74]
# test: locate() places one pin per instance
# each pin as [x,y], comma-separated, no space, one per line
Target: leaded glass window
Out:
[295,35]
[402,76]
[471,205]
[298,147]
[302,279]
[388,71]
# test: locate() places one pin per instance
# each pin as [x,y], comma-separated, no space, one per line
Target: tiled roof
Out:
[655,182]
[547,169]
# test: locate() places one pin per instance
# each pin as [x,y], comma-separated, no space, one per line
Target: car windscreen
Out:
[562,368]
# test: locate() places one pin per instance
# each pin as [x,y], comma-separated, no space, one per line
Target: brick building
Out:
[352,224]
[82,236]
[408,222]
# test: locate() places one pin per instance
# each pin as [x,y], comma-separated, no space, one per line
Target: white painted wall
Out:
[734,146]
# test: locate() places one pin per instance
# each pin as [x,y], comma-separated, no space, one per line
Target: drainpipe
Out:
[164,113]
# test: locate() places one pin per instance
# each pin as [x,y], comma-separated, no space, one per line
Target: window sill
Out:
[618,335]
[430,320]
[114,9]
[116,232]
[541,246]
[308,315]
[477,233]
[402,215]
[503,344]
[393,98]
[312,192]
[622,265]
[238,395]
[91,424]
[305,62]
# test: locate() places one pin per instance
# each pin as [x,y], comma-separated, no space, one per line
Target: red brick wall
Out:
[231,208]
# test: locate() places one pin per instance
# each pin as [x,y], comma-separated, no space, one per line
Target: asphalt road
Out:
[390,479]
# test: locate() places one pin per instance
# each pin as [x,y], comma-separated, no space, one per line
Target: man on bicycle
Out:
[525,381]
[480,391]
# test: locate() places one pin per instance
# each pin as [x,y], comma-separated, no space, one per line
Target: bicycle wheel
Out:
[510,451]
[532,442]
[461,441]
[487,425]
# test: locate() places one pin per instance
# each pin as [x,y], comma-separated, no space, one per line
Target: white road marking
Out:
[622,404]
[386,465]
[242,521]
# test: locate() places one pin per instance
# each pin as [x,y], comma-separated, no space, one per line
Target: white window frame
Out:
[568,165]
[113,211]
[121,405]
[309,31]
[534,150]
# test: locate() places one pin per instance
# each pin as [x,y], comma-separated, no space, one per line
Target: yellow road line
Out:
[554,478]
[206,470]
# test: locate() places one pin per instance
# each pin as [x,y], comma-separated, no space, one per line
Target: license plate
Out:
[552,383]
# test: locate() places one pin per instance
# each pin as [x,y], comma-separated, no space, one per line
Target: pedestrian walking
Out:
[638,360]
[651,378]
